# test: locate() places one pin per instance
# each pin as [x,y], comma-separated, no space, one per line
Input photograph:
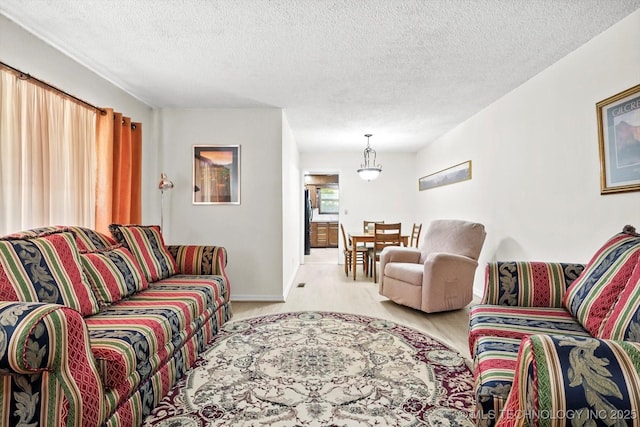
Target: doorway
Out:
[322,213]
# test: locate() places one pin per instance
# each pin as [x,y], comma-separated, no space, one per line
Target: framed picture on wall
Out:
[450,175]
[619,141]
[216,174]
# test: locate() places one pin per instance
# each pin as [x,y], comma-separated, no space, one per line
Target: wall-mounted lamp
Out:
[164,185]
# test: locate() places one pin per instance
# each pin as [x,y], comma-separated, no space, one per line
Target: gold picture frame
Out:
[216,174]
[619,141]
[450,175]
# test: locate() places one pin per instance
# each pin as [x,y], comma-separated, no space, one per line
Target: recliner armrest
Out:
[447,281]
[399,254]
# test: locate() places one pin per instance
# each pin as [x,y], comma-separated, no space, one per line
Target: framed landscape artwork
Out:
[216,174]
[450,175]
[619,141]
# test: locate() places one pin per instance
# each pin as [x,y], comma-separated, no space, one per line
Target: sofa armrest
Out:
[528,283]
[46,362]
[580,379]
[196,259]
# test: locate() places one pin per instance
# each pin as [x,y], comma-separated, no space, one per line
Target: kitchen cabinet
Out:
[324,234]
[333,235]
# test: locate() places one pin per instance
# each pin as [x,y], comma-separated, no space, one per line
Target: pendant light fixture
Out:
[369,169]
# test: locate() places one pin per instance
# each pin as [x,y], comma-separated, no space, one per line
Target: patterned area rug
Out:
[321,369]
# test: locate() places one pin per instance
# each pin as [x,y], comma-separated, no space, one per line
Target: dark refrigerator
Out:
[308,215]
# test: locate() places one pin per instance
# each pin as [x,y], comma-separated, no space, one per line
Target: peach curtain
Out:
[47,157]
[119,177]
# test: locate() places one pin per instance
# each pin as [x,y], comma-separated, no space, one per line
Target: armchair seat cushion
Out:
[405,272]
[520,322]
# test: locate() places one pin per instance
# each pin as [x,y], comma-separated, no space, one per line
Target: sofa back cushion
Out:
[114,274]
[91,240]
[623,321]
[86,238]
[592,295]
[528,283]
[453,236]
[47,269]
[148,248]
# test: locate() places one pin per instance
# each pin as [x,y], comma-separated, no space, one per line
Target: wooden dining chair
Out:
[362,255]
[365,228]
[384,235]
[415,235]
[366,224]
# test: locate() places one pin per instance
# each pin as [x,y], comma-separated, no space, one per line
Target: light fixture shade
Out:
[369,173]
[369,170]
[165,183]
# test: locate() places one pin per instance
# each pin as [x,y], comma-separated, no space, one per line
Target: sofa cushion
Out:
[113,273]
[90,240]
[133,337]
[147,246]
[528,283]
[519,322]
[494,370]
[34,232]
[47,269]
[623,321]
[86,238]
[405,272]
[592,295]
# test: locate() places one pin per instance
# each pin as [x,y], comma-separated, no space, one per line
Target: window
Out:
[329,200]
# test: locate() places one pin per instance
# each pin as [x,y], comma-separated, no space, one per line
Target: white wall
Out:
[292,212]
[391,197]
[535,159]
[252,231]
[22,50]
[535,165]
[263,258]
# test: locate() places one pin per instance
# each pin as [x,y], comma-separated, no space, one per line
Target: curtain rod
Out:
[26,76]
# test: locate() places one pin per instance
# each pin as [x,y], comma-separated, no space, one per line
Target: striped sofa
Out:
[559,344]
[96,329]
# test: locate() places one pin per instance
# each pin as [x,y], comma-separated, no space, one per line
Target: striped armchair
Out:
[557,343]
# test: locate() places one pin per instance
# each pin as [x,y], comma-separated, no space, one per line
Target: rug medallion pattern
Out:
[321,369]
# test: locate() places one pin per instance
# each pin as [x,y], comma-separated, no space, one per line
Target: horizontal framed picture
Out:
[450,175]
[619,141]
[216,174]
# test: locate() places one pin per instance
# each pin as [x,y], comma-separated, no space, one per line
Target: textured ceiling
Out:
[406,71]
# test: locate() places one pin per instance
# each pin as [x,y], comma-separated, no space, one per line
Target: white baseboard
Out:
[258,298]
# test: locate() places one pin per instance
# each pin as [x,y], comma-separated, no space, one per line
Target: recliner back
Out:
[453,236]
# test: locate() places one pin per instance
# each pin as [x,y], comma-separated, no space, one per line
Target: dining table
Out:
[361,238]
